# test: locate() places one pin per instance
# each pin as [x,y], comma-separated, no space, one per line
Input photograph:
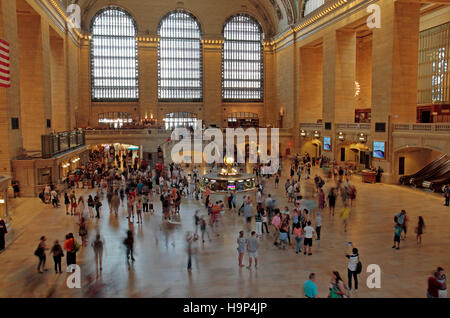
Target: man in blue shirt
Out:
[309,287]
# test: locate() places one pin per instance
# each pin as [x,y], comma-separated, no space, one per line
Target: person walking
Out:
[97,205]
[91,205]
[73,203]
[258,222]
[331,201]
[345,215]
[264,221]
[310,287]
[434,285]
[129,244]
[241,248]
[71,246]
[115,203]
[252,249]
[67,202]
[58,253]
[139,210]
[276,223]
[203,225]
[81,206]
[337,287]
[97,245]
[298,235]
[397,235]
[40,253]
[318,222]
[83,231]
[352,268]
[309,233]
[419,230]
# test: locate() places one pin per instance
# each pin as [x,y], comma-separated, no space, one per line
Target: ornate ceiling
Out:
[274,15]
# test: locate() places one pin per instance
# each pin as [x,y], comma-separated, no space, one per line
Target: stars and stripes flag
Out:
[5,79]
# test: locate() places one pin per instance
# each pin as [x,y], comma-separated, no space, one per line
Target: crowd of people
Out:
[136,186]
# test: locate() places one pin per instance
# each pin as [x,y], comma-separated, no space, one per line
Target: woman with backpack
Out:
[40,253]
[58,253]
[354,268]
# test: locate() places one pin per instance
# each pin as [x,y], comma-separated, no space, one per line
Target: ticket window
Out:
[44,176]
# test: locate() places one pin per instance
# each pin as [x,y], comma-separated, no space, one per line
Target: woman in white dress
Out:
[81,207]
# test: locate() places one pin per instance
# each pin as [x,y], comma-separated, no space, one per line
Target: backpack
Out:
[359,267]
[38,251]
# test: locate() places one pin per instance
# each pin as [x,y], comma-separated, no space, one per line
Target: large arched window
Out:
[311,5]
[114,63]
[242,60]
[179,58]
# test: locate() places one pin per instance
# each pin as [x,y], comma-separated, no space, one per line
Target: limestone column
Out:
[35,95]
[311,82]
[394,71]
[344,111]
[328,79]
[11,139]
[84,109]
[212,80]
[270,111]
[148,77]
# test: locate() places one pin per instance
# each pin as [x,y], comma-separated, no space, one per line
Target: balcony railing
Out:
[314,126]
[58,143]
[427,128]
[353,126]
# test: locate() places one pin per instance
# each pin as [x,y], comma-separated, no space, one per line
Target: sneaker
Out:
[248,267]
[296,252]
[398,248]
[309,254]
[393,246]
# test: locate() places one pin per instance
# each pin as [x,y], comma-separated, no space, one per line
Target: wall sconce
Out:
[282,111]
[316,134]
[362,138]
[303,133]
[341,136]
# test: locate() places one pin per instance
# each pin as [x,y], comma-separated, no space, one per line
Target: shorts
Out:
[74,205]
[396,238]
[308,242]
[253,254]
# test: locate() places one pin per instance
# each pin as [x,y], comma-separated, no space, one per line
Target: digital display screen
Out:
[231,187]
[379,149]
[327,143]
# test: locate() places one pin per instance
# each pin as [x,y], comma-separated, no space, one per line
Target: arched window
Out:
[243,119]
[242,60]
[311,5]
[179,58]
[114,63]
[180,119]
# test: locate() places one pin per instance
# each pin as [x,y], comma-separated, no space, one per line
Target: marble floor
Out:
[161,257]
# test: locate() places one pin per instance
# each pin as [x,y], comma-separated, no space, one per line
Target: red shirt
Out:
[433,287]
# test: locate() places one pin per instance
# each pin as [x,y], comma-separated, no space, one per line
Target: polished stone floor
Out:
[161,257]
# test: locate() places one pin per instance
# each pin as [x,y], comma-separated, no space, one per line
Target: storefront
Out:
[33,174]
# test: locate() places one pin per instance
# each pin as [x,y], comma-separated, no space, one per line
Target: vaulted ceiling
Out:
[275,16]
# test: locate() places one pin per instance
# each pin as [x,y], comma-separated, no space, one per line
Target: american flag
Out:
[5,79]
